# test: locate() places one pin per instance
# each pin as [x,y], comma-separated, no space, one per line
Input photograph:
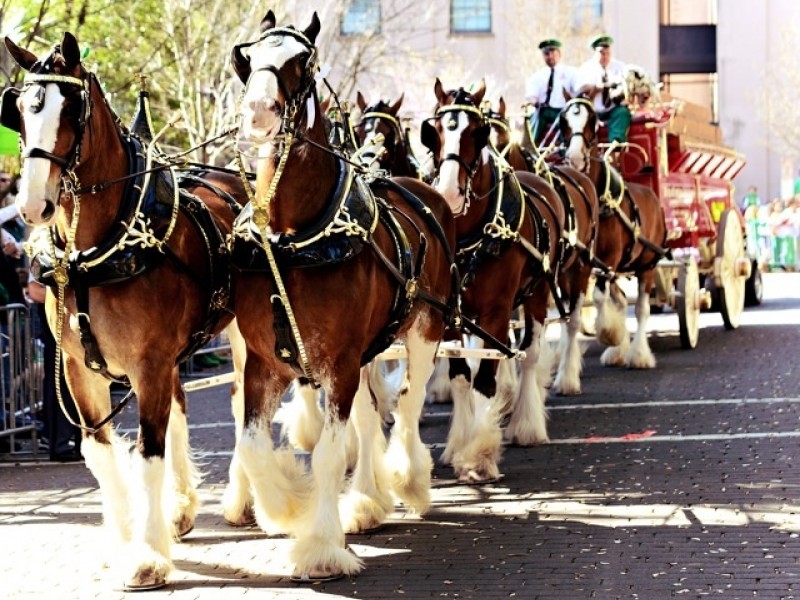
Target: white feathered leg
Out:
[110,465]
[237,501]
[611,329]
[439,385]
[408,460]
[528,423]
[640,356]
[302,417]
[320,549]
[568,378]
[280,489]
[147,561]
[368,501]
[183,477]
[462,419]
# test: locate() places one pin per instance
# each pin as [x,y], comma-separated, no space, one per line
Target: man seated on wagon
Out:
[545,89]
[602,80]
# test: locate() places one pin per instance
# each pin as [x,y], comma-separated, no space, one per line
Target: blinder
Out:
[430,138]
[241,62]
[9,109]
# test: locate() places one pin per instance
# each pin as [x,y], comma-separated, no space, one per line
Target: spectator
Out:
[751,198]
[64,438]
[783,255]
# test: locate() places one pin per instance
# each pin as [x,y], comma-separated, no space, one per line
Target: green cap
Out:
[549,44]
[603,40]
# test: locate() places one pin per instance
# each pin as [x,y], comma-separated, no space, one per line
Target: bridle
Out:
[69,163]
[292,102]
[588,141]
[374,113]
[469,168]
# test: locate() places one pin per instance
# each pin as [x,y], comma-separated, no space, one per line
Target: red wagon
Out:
[678,153]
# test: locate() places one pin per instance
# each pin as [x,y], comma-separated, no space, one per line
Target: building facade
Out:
[714,53]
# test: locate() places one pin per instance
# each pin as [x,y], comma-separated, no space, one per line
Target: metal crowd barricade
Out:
[21,382]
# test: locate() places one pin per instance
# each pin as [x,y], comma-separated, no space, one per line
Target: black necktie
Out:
[550,86]
[606,92]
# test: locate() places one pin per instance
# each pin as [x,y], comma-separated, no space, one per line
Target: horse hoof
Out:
[476,477]
[315,577]
[147,578]
[183,526]
[246,519]
[369,530]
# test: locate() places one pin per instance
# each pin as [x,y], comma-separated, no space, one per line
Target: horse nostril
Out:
[49,210]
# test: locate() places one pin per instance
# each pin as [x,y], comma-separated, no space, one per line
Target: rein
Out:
[261,206]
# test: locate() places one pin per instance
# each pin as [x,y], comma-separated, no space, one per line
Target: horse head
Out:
[578,125]
[51,113]
[278,71]
[503,134]
[380,119]
[456,139]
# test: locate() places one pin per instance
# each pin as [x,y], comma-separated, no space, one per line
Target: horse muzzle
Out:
[38,213]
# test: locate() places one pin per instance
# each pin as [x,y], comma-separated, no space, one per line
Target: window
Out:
[586,14]
[470,16]
[688,12]
[361,17]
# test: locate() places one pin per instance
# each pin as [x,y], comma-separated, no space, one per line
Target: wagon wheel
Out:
[730,270]
[688,303]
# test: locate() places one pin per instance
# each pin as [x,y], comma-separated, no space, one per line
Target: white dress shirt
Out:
[536,87]
[591,73]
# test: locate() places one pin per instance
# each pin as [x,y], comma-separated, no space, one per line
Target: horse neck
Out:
[308,178]
[515,158]
[401,165]
[103,158]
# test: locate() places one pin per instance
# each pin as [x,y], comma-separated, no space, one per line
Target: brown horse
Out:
[394,153]
[350,266]
[508,247]
[630,239]
[144,278]
[579,228]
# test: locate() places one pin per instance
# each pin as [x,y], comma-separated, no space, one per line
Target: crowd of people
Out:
[773,230]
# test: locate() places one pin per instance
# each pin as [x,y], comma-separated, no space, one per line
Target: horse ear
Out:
[362,104]
[70,51]
[567,95]
[481,135]
[477,95]
[312,31]
[501,107]
[441,96]
[24,58]
[430,138]
[396,106]
[268,22]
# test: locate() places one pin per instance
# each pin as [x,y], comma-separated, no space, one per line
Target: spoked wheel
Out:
[688,303]
[731,269]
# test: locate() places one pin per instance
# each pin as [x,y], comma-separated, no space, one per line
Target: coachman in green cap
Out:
[546,89]
[602,80]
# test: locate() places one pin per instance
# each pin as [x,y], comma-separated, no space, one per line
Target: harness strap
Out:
[549,273]
[93,357]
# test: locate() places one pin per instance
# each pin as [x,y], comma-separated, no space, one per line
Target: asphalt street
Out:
[682,481]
